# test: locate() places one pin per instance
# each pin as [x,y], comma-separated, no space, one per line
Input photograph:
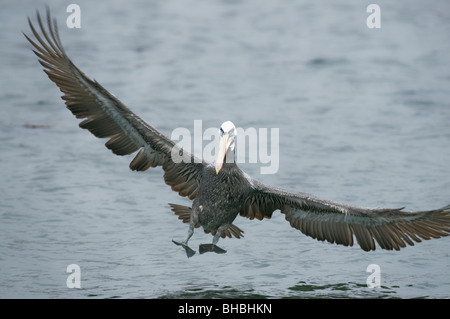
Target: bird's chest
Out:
[218,202]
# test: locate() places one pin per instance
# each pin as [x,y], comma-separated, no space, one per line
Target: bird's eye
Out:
[221,131]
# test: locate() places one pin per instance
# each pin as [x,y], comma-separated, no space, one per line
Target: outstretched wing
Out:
[106,117]
[339,223]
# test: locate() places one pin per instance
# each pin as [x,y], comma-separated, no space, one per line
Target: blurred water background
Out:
[363,116]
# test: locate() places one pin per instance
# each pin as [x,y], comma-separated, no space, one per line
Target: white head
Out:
[227,143]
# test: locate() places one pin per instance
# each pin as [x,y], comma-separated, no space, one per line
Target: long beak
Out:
[225,142]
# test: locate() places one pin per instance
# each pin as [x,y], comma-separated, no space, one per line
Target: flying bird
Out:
[220,191]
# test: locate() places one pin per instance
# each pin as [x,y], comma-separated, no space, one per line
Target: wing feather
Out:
[325,220]
[106,117]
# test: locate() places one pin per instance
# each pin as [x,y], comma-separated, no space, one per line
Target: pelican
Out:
[220,191]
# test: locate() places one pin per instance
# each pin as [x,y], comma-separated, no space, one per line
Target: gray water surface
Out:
[363,116]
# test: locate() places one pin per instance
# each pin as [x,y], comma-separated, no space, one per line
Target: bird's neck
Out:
[230,157]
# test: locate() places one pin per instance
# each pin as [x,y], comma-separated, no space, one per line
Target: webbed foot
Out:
[203,248]
[189,251]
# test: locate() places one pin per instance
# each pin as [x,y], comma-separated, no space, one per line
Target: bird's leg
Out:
[189,251]
[213,247]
